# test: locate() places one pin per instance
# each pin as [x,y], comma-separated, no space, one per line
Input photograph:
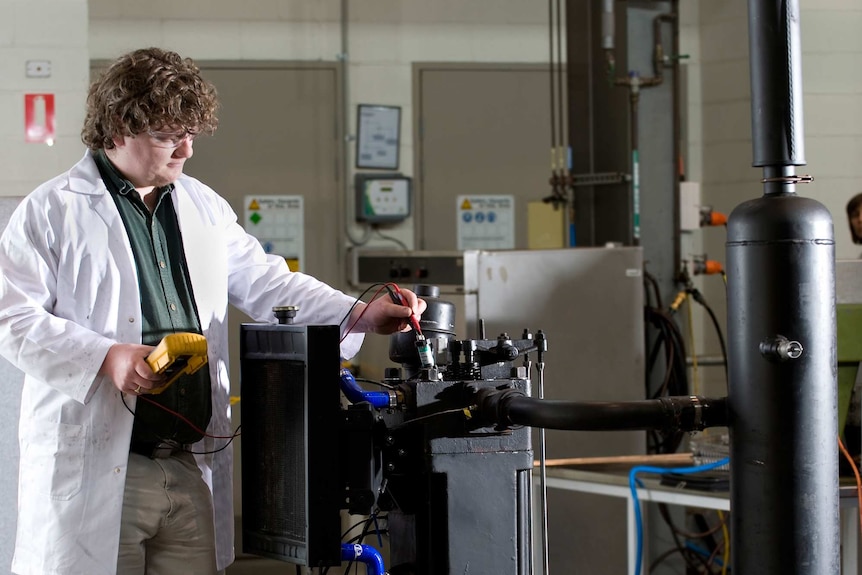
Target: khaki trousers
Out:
[167,525]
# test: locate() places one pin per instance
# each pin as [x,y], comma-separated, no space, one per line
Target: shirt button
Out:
[161,264]
[173,307]
[116,470]
[131,320]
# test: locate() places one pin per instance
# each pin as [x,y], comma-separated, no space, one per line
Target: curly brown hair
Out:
[853,206]
[148,89]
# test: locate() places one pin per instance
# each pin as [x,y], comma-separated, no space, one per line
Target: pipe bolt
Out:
[780,348]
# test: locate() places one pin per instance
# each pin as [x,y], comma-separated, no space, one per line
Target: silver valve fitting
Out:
[780,348]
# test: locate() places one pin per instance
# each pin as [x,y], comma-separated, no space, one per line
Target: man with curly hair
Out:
[97,265]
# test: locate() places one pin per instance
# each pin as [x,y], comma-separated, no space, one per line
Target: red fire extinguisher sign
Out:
[39,118]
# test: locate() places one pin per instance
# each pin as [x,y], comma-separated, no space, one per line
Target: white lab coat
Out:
[68,291]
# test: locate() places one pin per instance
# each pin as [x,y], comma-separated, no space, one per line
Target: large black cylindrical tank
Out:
[782,387]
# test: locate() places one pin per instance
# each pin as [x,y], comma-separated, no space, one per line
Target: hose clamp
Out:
[697,423]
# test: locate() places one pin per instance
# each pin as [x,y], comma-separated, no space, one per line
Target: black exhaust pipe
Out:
[782,394]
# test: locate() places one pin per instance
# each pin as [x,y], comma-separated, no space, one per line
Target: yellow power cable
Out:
[694,374]
[726,558]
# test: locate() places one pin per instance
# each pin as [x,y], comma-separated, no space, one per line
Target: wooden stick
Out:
[664,459]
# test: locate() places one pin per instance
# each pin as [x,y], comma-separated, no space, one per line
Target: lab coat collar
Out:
[84,177]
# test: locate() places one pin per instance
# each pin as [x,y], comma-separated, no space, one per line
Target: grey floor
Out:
[248,565]
[260,566]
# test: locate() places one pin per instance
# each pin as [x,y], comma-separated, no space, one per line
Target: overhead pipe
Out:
[635,83]
[343,166]
[608,42]
[781,328]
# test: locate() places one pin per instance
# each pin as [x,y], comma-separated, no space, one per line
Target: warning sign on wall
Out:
[278,223]
[486,222]
[39,118]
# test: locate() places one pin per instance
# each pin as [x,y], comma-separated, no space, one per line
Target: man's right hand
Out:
[126,366]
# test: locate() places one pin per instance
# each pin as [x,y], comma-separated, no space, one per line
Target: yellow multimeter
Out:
[178,354]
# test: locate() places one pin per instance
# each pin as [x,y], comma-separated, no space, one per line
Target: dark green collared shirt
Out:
[167,306]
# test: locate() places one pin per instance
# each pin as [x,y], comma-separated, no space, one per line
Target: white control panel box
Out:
[689,206]
[382,198]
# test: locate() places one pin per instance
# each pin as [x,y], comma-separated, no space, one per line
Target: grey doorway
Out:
[480,129]
[279,134]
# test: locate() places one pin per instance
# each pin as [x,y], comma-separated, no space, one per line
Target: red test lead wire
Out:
[399,299]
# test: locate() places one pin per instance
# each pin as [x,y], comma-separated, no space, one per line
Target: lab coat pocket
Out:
[52,459]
